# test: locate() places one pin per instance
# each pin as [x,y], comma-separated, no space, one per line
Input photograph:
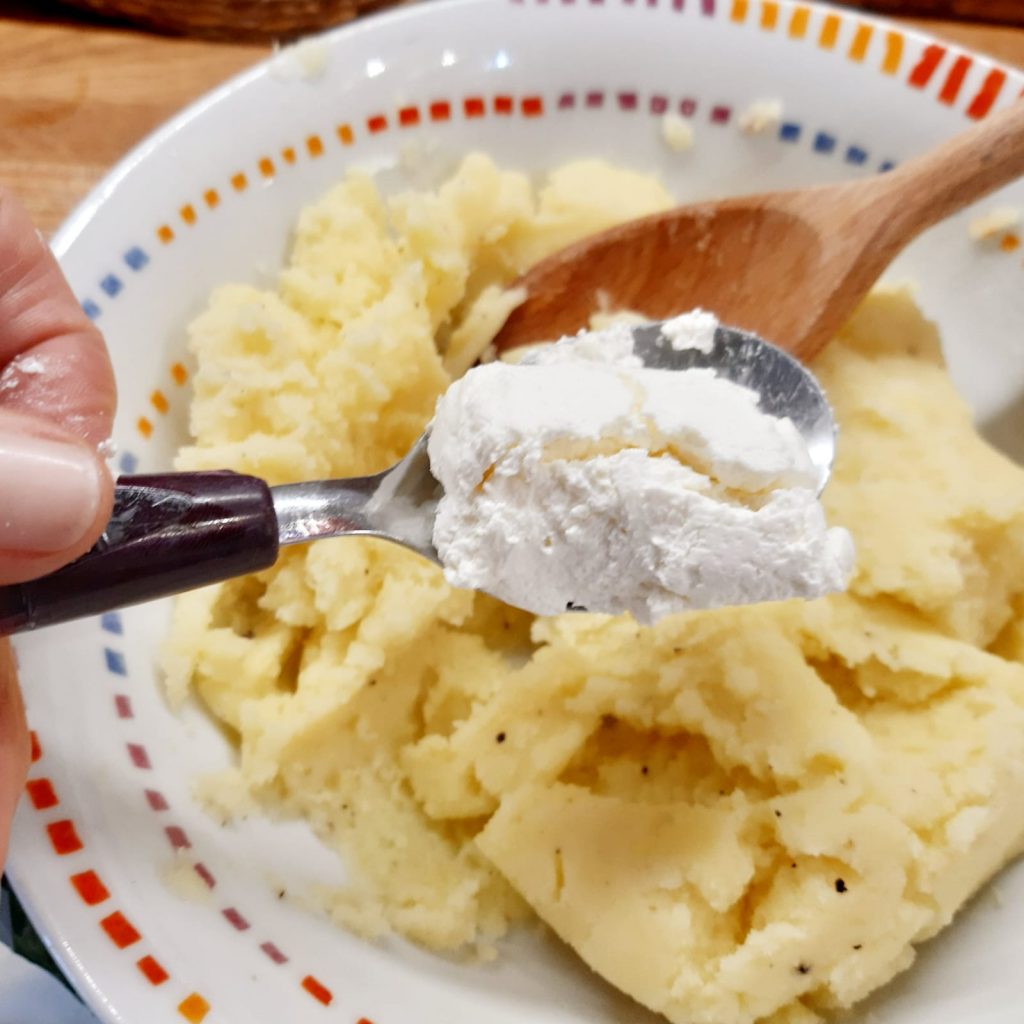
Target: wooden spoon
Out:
[789,266]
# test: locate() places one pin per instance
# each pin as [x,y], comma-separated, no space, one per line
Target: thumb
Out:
[55,496]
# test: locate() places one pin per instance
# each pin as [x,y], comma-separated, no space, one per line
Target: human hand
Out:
[57,401]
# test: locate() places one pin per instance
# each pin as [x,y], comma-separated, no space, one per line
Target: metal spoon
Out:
[175,532]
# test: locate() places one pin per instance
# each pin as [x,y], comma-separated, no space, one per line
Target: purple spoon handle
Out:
[168,533]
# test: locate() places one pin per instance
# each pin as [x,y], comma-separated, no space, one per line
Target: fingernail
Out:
[49,493]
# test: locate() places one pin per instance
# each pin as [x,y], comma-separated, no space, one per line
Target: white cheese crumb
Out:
[994,224]
[761,116]
[693,330]
[677,133]
[305,61]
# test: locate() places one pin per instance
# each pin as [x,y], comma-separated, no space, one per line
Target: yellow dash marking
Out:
[739,10]
[893,52]
[211,198]
[289,155]
[239,182]
[179,374]
[159,402]
[769,15]
[345,134]
[829,32]
[145,428]
[314,146]
[861,39]
[798,23]
[266,166]
[194,1008]
[165,234]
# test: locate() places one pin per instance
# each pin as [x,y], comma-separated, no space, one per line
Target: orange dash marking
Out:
[861,41]
[179,374]
[987,94]
[194,1008]
[188,214]
[769,15]
[64,838]
[90,888]
[317,990]
[152,970]
[829,32]
[121,931]
[739,10]
[239,182]
[345,134]
[314,146]
[1009,243]
[144,427]
[41,793]
[266,166]
[288,155]
[893,52]
[165,234]
[212,198]
[159,402]
[798,23]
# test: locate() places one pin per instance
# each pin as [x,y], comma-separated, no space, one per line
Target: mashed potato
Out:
[735,816]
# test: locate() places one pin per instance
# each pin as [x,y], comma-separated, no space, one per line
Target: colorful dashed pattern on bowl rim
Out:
[902,56]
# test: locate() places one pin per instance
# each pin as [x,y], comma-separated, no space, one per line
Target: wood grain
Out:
[77,94]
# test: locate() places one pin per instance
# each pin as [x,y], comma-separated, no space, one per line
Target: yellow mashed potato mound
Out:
[741,815]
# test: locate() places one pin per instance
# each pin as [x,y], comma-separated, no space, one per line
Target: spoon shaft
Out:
[168,534]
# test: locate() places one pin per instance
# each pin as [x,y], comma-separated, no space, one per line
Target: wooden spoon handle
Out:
[953,175]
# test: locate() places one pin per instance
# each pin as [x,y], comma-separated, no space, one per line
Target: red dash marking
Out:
[204,873]
[955,79]
[266,166]
[138,755]
[376,124]
[1009,243]
[688,108]
[503,104]
[144,427]
[567,101]
[194,1008]
[627,100]
[532,106]
[345,134]
[440,110]
[288,155]
[239,182]
[720,115]
[923,70]
[165,234]
[211,198]
[364,1020]
[314,146]
[274,953]
[409,116]
[987,94]
[64,837]
[235,919]
[595,99]
[188,214]
[152,971]
[90,888]
[659,104]
[179,374]
[121,931]
[159,402]
[177,837]
[157,801]
[40,792]
[473,106]
[123,706]
[36,751]
[316,990]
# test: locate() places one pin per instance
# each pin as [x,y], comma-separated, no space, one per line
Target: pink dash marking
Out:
[678,5]
[720,115]
[156,800]
[659,104]
[204,873]
[595,99]
[235,919]
[627,100]
[688,107]
[177,837]
[139,757]
[708,8]
[567,101]
[274,953]
[123,705]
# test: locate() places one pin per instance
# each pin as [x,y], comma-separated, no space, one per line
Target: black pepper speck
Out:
[840,885]
[803,968]
[500,738]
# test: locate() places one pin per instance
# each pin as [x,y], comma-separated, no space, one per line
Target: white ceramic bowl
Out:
[210,198]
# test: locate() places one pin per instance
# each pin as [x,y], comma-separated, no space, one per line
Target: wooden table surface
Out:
[76,94]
